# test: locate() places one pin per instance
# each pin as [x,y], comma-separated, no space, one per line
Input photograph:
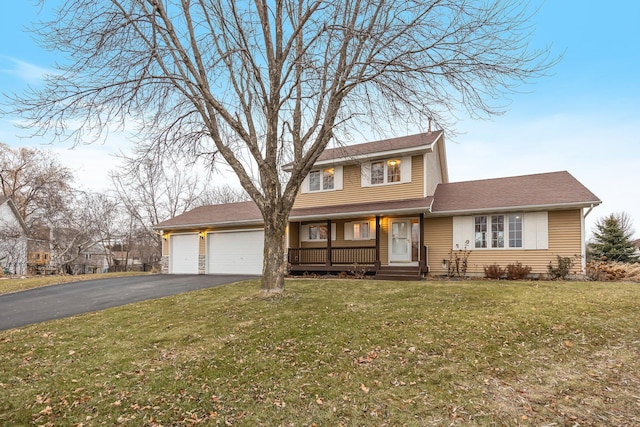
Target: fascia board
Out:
[516,208]
[207,224]
[421,149]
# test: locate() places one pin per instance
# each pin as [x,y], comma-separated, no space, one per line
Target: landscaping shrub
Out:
[493,271]
[562,268]
[518,271]
[604,270]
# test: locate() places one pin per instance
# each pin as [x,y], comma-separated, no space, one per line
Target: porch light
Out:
[165,236]
[202,234]
[392,162]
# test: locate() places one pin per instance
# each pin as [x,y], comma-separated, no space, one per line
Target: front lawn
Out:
[337,352]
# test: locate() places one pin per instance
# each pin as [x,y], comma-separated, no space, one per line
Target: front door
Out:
[400,240]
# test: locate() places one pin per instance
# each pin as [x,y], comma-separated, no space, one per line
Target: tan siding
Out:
[353,192]
[434,172]
[438,236]
[564,240]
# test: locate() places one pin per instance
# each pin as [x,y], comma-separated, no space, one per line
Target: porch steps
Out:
[398,273]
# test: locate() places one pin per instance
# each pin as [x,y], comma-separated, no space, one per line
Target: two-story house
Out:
[387,206]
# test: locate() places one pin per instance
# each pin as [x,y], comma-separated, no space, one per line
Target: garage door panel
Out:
[237,252]
[184,253]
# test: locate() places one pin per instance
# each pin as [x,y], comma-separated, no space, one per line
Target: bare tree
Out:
[222,194]
[152,191]
[35,181]
[260,83]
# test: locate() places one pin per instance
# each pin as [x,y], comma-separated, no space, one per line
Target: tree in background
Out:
[612,239]
[257,84]
[36,182]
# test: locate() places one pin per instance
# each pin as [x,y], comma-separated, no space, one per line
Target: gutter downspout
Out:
[584,243]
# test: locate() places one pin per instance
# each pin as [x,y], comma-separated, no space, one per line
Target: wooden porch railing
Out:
[343,256]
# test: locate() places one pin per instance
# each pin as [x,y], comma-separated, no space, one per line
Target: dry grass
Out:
[10,284]
[339,353]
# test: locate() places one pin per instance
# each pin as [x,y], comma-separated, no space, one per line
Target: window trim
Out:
[305,229]
[404,169]
[337,180]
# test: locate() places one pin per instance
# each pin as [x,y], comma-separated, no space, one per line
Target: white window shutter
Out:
[536,230]
[304,188]
[348,231]
[333,231]
[365,175]
[337,178]
[405,169]
[304,233]
[372,229]
[462,232]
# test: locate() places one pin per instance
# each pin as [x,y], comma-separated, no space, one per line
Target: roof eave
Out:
[556,206]
[242,223]
[421,149]
[341,215]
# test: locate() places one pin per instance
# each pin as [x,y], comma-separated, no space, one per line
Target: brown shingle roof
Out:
[246,213]
[400,143]
[540,190]
[230,213]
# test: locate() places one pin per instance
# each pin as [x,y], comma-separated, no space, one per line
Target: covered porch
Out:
[367,245]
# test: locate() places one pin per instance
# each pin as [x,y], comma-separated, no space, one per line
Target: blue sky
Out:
[584,118]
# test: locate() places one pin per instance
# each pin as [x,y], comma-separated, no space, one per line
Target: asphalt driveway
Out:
[58,301]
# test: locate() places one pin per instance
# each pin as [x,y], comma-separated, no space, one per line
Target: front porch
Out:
[399,245]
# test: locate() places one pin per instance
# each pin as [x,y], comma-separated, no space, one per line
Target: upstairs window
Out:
[389,171]
[327,179]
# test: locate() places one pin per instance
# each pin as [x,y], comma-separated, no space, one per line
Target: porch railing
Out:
[344,256]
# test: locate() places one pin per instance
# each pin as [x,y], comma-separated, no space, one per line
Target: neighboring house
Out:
[389,205]
[91,260]
[13,239]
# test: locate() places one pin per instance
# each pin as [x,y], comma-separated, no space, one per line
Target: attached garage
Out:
[184,253]
[235,252]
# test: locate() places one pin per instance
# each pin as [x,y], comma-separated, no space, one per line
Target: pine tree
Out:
[613,239]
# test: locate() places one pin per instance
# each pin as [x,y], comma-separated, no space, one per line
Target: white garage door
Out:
[184,253]
[236,252]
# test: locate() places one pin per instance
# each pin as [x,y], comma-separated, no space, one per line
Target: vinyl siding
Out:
[434,172]
[352,191]
[564,239]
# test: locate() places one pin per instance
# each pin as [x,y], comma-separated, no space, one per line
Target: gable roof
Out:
[545,190]
[418,142]
[16,213]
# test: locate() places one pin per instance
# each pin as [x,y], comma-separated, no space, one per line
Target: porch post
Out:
[377,263]
[329,261]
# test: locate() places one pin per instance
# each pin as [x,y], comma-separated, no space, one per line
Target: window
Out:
[316,232]
[360,230]
[481,232]
[499,229]
[322,180]
[385,172]
[512,230]
[377,173]
[389,171]
[515,231]
[393,171]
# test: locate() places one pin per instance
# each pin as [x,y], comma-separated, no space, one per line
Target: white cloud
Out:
[25,71]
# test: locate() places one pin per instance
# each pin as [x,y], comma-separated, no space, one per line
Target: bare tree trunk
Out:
[274,266]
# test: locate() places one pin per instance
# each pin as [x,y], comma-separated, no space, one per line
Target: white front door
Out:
[400,240]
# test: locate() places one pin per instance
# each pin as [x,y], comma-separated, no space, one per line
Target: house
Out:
[388,206]
[13,239]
